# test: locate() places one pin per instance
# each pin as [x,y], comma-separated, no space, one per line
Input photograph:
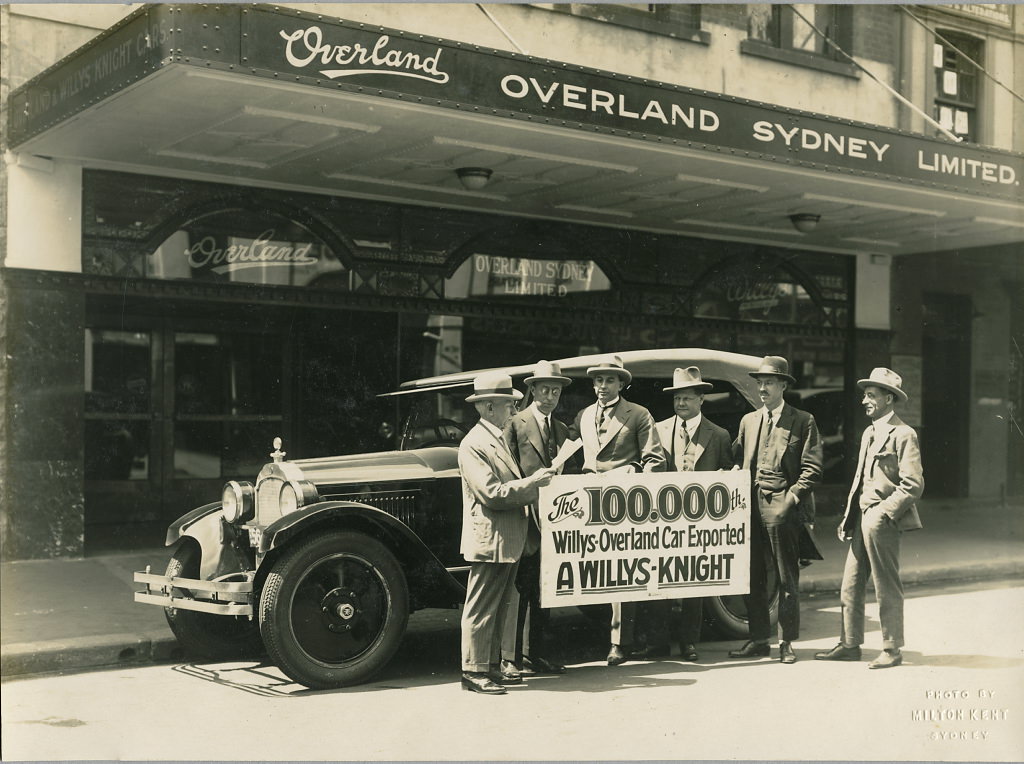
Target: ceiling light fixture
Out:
[804,222]
[474,178]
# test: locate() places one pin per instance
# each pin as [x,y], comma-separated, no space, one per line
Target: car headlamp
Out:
[237,501]
[295,494]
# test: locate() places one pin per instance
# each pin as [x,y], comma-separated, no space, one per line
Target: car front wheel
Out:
[334,609]
[727,615]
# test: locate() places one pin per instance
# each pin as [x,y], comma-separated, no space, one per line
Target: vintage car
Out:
[321,561]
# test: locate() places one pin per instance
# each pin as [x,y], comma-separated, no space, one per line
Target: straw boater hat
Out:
[886,379]
[774,366]
[493,385]
[547,371]
[688,378]
[611,364]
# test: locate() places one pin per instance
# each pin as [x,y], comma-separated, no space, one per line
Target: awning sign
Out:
[621,537]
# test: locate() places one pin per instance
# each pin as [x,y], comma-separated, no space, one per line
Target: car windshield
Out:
[441,417]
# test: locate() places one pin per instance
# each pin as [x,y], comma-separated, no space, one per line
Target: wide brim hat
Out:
[774,366]
[612,364]
[493,386]
[688,379]
[886,379]
[547,371]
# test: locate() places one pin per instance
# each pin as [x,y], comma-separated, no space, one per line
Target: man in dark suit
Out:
[535,437]
[881,505]
[617,435]
[494,528]
[781,447]
[692,444]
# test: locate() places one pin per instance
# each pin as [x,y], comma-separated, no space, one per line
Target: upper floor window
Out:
[670,19]
[956,84]
[792,27]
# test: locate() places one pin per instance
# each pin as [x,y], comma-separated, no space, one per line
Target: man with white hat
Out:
[617,435]
[692,443]
[494,529]
[881,505]
[781,447]
[535,437]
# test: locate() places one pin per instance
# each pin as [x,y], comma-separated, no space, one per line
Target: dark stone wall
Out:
[42,511]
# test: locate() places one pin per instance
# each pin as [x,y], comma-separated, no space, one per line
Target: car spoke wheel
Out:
[334,609]
[727,616]
[206,635]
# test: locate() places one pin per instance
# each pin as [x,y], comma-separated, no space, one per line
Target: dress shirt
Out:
[690,424]
[776,413]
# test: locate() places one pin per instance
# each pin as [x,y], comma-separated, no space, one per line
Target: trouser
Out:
[775,543]
[623,617]
[526,620]
[661,622]
[490,591]
[875,553]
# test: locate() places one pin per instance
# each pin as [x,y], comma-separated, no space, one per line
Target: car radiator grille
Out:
[268,501]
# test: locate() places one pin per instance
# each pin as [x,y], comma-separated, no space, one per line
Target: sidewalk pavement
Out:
[73,614]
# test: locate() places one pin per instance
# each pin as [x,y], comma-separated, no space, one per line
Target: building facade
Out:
[227,223]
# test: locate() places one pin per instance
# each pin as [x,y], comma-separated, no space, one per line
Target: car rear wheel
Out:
[334,609]
[205,635]
[727,616]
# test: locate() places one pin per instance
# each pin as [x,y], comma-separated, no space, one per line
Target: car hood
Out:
[381,467]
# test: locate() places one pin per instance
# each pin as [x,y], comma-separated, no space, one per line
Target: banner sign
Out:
[311,50]
[621,537]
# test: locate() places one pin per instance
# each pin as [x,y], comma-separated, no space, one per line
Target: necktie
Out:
[684,435]
[682,459]
[602,417]
[549,442]
[768,429]
[868,461]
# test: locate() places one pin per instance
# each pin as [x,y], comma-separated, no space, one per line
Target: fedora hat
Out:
[547,371]
[774,366]
[612,364]
[685,379]
[886,379]
[491,385]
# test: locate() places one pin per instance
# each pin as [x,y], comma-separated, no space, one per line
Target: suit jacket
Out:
[712,444]
[494,499]
[526,440]
[897,477]
[794,451]
[630,437]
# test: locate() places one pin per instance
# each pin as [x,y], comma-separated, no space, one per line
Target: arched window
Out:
[239,245]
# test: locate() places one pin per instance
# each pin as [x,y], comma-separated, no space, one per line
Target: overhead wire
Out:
[502,29]
[960,53]
[899,96]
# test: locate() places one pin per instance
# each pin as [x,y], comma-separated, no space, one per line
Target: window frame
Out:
[779,46]
[655,21]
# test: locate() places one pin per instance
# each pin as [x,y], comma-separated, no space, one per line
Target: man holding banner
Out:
[617,436]
[535,437]
[781,448]
[692,444]
[494,528]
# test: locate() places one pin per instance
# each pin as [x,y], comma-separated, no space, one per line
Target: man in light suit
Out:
[494,528]
[535,437]
[781,447]
[692,444]
[881,505]
[617,435]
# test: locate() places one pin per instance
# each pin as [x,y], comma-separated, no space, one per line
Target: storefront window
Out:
[118,387]
[486,275]
[227,391]
[243,246]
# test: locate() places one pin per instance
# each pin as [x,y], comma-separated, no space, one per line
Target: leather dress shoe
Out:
[839,653]
[475,681]
[507,673]
[616,656]
[752,650]
[539,666]
[786,654]
[688,652]
[652,652]
[886,659]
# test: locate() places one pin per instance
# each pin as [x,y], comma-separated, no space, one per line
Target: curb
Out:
[88,652]
[126,649]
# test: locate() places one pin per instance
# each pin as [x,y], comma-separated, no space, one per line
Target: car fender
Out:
[414,556]
[218,540]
